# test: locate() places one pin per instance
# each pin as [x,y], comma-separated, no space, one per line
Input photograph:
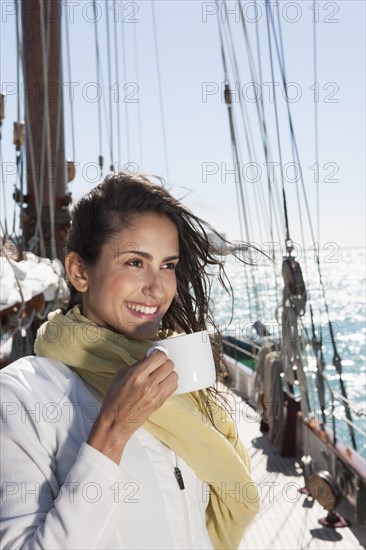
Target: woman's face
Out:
[133,283]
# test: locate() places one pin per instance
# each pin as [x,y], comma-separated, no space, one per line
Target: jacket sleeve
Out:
[37,512]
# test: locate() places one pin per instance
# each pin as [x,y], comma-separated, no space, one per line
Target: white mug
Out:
[193,360]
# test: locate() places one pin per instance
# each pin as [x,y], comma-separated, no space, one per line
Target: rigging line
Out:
[266,146]
[38,226]
[240,196]
[98,82]
[3,179]
[333,395]
[281,61]
[252,155]
[46,114]
[226,76]
[18,152]
[316,132]
[19,157]
[3,189]
[272,195]
[267,156]
[266,149]
[22,307]
[232,132]
[4,229]
[110,87]
[336,358]
[128,148]
[292,134]
[68,56]
[30,143]
[118,109]
[249,225]
[139,125]
[228,101]
[242,105]
[294,143]
[262,124]
[346,400]
[58,127]
[160,90]
[316,127]
[277,123]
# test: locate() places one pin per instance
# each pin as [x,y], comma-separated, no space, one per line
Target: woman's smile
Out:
[143,311]
[132,285]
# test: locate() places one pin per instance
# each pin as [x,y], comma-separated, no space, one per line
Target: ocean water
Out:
[343,276]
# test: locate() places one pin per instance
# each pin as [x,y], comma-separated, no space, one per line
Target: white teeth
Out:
[142,309]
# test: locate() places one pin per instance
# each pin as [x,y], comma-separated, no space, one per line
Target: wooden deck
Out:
[287,520]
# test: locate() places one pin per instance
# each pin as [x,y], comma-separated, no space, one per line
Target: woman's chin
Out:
[146,331]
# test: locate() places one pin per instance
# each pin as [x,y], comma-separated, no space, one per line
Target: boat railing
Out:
[242,350]
[341,399]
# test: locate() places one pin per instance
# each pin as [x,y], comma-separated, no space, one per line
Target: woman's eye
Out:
[169,265]
[134,263]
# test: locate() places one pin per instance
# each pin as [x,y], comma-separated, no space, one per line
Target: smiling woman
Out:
[136,263]
[133,283]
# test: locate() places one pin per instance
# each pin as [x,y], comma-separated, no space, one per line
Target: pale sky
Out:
[196,122]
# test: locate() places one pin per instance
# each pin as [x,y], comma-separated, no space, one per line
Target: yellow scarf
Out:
[218,459]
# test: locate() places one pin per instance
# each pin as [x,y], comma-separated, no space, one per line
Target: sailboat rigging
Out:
[283,366]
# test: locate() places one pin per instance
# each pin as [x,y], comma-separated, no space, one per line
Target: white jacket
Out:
[60,493]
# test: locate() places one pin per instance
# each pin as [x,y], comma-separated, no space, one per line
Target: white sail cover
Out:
[29,277]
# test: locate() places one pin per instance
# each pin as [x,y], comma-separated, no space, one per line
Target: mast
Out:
[45,214]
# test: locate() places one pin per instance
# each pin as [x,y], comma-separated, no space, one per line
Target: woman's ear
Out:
[76,272]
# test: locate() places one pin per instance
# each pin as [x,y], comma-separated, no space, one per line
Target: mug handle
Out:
[155,348]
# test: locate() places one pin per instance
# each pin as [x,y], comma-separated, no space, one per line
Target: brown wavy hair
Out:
[110,207]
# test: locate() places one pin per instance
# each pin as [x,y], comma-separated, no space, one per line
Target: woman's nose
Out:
[153,285]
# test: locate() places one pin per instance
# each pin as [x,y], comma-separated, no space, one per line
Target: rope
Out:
[128,149]
[48,134]
[265,143]
[38,207]
[4,229]
[68,56]
[118,102]
[110,88]
[59,127]
[240,191]
[316,132]
[316,128]
[264,134]
[277,125]
[252,157]
[320,364]
[18,155]
[139,125]
[160,91]
[336,358]
[234,155]
[98,82]
[281,60]
[269,392]
[249,226]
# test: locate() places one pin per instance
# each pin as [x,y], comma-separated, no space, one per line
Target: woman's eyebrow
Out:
[147,255]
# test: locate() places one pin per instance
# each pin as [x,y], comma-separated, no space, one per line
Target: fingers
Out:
[152,370]
[159,372]
[162,372]
[153,362]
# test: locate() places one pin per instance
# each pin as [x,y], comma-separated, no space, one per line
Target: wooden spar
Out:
[43,96]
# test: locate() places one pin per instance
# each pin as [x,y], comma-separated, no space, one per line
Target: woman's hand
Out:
[134,394]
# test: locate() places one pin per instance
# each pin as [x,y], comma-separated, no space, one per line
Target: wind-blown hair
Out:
[110,207]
